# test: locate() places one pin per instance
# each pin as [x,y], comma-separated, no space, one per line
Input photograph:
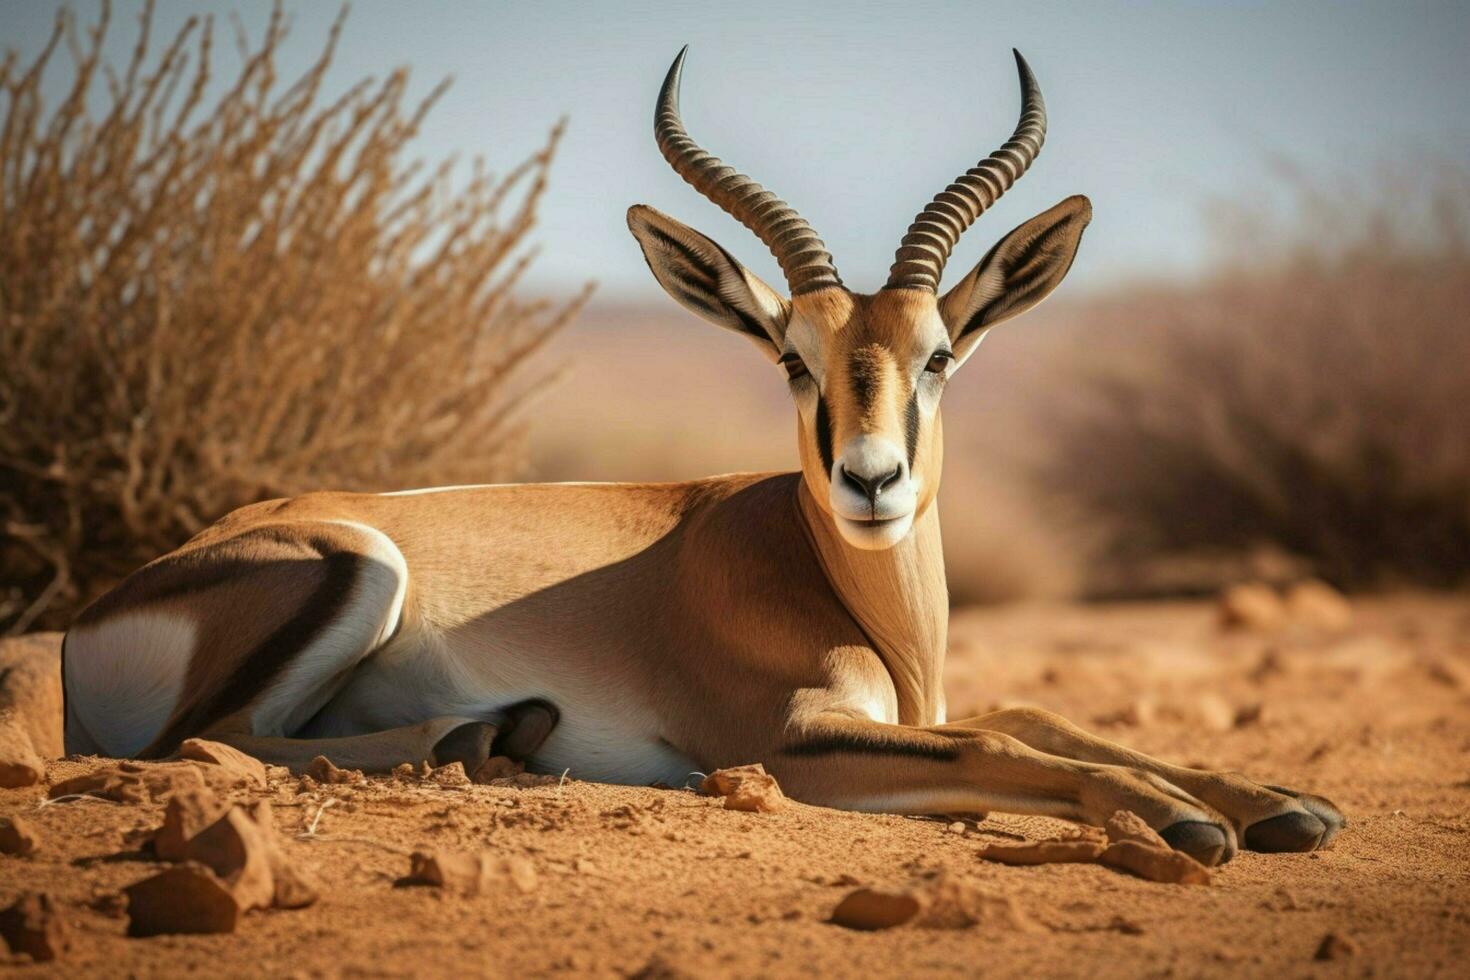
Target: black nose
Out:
[870,487]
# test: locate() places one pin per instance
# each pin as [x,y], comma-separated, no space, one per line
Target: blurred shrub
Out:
[1309,400]
[199,314]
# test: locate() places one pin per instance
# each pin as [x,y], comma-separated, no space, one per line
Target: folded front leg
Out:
[838,760]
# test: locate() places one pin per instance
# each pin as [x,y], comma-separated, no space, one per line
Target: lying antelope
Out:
[635,633]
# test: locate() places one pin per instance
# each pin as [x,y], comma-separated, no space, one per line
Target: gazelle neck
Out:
[899,598]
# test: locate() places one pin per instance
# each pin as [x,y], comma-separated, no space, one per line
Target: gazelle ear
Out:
[707,281]
[1019,272]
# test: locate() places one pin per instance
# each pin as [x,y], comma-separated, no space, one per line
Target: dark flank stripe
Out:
[257,671]
[921,745]
[824,434]
[911,426]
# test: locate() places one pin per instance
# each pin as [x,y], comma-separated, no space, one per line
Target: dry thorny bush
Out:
[1310,399]
[209,302]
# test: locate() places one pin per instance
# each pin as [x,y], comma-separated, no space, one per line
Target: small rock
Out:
[471,874]
[1139,714]
[187,898]
[657,968]
[1249,714]
[403,772]
[949,903]
[32,925]
[958,827]
[451,775]
[1127,825]
[1336,946]
[1320,606]
[875,908]
[238,850]
[1078,851]
[498,767]
[749,788]
[140,782]
[245,770]
[18,837]
[30,707]
[323,771]
[186,814]
[1447,672]
[19,763]
[1215,713]
[1156,863]
[1252,606]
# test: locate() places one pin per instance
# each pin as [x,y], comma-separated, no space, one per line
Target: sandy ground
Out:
[659,882]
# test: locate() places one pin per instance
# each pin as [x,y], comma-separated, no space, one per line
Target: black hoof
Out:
[1324,810]
[527,725]
[1202,841]
[468,744]
[1287,832]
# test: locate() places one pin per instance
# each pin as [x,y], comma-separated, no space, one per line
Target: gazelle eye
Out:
[794,367]
[938,362]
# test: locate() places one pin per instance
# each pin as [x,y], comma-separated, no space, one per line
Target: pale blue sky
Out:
[858,112]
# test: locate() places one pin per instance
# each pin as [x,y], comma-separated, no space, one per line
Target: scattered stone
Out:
[238,850]
[1447,672]
[451,775]
[1215,713]
[30,707]
[471,873]
[958,827]
[1336,946]
[1318,605]
[19,763]
[32,925]
[238,844]
[949,903]
[1075,851]
[498,767]
[1249,714]
[1127,825]
[1155,863]
[140,782]
[245,770]
[18,837]
[323,771]
[748,788]
[186,814]
[1252,606]
[1136,715]
[403,772]
[869,909]
[187,898]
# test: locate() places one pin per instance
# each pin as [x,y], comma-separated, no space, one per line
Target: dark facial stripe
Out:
[824,434]
[865,381]
[911,425]
[921,745]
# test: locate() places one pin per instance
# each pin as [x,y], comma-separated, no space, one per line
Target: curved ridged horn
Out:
[919,262]
[804,259]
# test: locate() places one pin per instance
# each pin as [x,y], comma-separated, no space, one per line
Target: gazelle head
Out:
[866,371]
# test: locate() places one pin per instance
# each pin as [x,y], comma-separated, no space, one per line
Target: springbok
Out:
[635,633]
